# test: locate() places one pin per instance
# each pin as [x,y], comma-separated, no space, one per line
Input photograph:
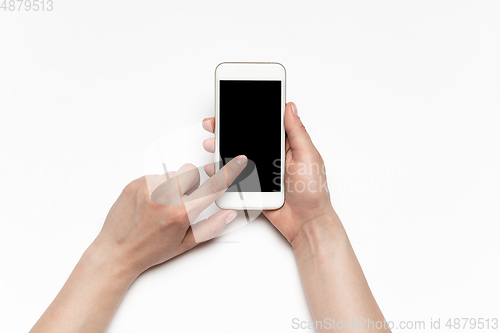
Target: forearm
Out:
[90,296]
[333,280]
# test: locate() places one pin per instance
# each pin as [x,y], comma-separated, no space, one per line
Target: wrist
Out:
[319,235]
[109,262]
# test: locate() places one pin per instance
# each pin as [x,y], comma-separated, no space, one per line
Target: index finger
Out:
[213,188]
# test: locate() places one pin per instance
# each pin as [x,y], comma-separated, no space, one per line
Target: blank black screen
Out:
[250,124]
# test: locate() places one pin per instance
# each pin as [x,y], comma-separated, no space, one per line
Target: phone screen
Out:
[250,124]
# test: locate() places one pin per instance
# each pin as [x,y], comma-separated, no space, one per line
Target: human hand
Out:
[307,198]
[150,221]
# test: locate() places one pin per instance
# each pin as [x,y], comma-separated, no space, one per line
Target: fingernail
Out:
[242,159]
[231,216]
[294,109]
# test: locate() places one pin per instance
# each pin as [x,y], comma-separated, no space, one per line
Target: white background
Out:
[401,98]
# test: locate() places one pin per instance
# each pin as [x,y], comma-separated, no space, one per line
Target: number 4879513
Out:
[27,5]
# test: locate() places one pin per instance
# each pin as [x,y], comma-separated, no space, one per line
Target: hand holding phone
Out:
[307,197]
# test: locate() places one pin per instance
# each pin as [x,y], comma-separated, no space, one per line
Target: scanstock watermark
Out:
[366,323]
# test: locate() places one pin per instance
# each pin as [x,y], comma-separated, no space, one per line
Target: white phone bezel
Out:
[251,71]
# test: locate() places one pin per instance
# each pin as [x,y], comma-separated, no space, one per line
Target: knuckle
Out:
[299,131]
[143,193]
[132,188]
[232,168]
[216,186]
[214,232]
[137,189]
[178,216]
[302,128]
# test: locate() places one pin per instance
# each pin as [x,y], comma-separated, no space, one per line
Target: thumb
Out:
[299,139]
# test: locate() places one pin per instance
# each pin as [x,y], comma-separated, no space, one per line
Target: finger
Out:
[210,169]
[189,178]
[209,145]
[213,188]
[296,132]
[171,192]
[209,124]
[208,228]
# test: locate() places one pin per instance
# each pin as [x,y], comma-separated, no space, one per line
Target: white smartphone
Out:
[249,112]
